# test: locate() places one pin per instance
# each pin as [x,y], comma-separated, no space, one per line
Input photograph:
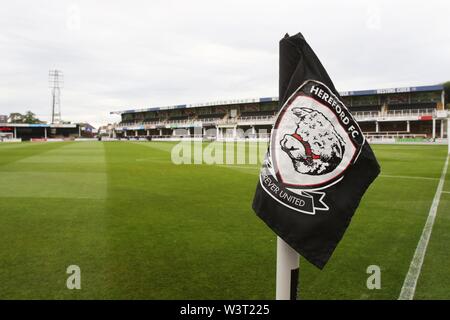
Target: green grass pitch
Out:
[141,227]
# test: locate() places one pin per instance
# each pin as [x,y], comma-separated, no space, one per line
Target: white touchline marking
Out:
[406,177]
[232,166]
[409,285]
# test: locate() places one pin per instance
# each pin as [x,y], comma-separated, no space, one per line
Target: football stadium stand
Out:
[408,114]
[40,131]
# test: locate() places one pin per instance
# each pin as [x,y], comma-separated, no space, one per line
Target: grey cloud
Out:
[121,54]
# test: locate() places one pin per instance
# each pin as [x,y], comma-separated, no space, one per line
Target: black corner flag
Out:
[318,164]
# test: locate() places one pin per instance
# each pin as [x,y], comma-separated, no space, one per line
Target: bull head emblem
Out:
[315,147]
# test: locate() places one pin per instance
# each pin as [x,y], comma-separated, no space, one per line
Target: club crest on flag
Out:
[315,139]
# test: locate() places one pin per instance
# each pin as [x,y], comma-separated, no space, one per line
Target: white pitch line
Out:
[232,166]
[446,192]
[409,285]
[406,177]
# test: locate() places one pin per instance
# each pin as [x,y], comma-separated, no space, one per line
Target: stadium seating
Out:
[408,112]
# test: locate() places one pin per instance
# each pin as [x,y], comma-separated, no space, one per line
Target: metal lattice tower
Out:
[56,82]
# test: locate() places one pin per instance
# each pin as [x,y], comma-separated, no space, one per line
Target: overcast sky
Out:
[132,54]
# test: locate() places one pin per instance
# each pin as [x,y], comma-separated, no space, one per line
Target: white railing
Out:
[128,124]
[410,112]
[395,137]
[179,121]
[209,120]
[246,119]
[257,118]
[151,122]
[366,114]
[359,115]
[388,133]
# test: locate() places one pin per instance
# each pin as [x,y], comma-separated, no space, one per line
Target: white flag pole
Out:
[287,271]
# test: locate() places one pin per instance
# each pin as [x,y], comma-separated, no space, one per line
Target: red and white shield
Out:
[310,148]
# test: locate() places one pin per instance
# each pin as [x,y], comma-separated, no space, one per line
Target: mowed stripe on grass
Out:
[188,231]
[51,219]
[409,285]
[181,231]
[434,280]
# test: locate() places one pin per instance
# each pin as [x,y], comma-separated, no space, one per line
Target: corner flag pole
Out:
[287,271]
